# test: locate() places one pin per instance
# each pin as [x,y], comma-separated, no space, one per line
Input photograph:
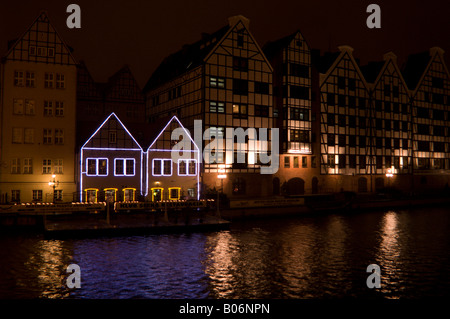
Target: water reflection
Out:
[388,254]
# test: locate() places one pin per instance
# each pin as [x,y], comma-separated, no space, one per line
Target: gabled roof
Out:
[188,58]
[174,120]
[272,48]
[99,139]
[41,33]
[122,79]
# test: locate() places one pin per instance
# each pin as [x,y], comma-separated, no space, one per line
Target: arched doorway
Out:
[315,185]
[276,186]
[362,185]
[295,186]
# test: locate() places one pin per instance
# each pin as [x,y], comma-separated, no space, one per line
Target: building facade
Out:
[38,103]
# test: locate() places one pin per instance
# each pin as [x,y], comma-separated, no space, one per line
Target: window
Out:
[58,194]
[304,162]
[352,84]
[46,166]
[352,161]
[362,103]
[379,161]
[395,90]
[15,166]
[37,195]
[341,82]
[187,167]
[342,161]
[296,165]
[299,70]
[362,161]
[48,80]
[29,135]
[97,166]
[59,136]
[330,139]
[330,119]
[51,52]
[240,40]
[240,87]
[17,135]
[112,137]
[352,121]
[330,99]
[238,186]
[342,121]
[174,193]
[362,141]
[287,162]
[299,92]
[217,107]
[240,111]
[41,51]
[59,108]
[342,140]
[60,81]
[301,136]
[439,146]
[313,162]
[182,167]
[261,110]
[162,167]
[15,195]
[262,87]
[379,142]
[341,100]
[18,106]
[217,82]
[48,108]
[387,90]
[423,112]
[29,107]
[18,78]
[240,64]
[32,50]
[437,82]
[423,129]
[47,136]
[439,130]
[423,146]
[217,132]
[299,114]
[174,93]
[124,166]
[58,166]
[30,79]
[28,166]
[352,140]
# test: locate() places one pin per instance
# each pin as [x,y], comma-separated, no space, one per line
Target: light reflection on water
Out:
[320,257]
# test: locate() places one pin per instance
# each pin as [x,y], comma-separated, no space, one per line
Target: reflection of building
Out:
[38,102]
[111,164]
[224,80]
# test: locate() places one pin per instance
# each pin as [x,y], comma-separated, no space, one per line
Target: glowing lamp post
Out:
[54,183]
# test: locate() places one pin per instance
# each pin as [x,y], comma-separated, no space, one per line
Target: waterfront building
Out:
[225,81]
[295,109]
[173,164]
[38,103]
[111,164]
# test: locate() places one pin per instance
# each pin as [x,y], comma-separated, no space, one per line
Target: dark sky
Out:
[142,33]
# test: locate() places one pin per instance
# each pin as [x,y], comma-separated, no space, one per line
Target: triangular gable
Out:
[436,61]
[225,45]
[41,44]
[344,56]
[86,86]
[101,139]
[390,67]
[163,142]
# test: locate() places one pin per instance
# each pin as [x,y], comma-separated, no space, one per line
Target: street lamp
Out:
[54,183]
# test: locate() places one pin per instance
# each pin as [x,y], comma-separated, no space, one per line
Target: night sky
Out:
[142,33]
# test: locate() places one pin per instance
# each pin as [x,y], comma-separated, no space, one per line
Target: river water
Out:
[305,257]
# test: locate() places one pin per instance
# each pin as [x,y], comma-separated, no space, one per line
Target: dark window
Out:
[240,40]
[261,110]
[387,143]
[330,139]
[299,114]
[387,106]
[352,84]
[387,125]
[379,142]
[396,125]
[362,141]
[438,98]
[330,99]
[405,109]
[352,121]
[404,126]
[378,106]
[299,92]
[341,120]
[330,119]
[301,136]
[423,146]
[439,130]
[352,140]
[262,87]
[341,82]
[438,115]
[405,143]
[396,108]
[362,161]
[240,64]
[387,90]
[395,91]
[299,70]
[379,124]
[352,161]
[240,87]
[423,129]
[396,143]
[341,100]
[439,146]
[437,83]
[342,160]
[352,101]
[379,161]
[362,103]
[342,140]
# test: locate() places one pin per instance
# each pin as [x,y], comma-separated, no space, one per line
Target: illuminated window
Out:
[296,165]
[91,195]
[29,107]
[217,82]
[240,111]
[97,166]
[162,167]
[58,166]
[217,107]
[129,194]
[287,162]
[46,166]
[124,166]
[304,162]
[110,194]
[18,106]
